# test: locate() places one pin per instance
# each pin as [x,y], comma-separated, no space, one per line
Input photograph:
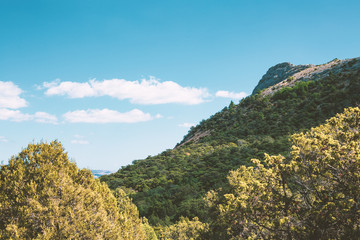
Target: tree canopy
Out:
[311,194]
[45,196]
[172,184]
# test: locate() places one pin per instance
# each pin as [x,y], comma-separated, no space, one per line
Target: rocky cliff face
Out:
[277,74]
[287,74]
[315,72]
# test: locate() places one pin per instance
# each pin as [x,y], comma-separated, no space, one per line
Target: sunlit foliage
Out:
[45,196]
[312,194]
[173,183]
[185,229]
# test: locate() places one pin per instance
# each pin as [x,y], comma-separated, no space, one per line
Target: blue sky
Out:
[116,81]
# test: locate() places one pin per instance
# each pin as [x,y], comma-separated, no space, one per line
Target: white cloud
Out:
[10,99]
[187,125]
[43,117]
[79,141]
[150,91]
[10,96]
[106,116]
[17,116]
[72,89]
[232,95]
[13,115]
[3,139]
[49,84]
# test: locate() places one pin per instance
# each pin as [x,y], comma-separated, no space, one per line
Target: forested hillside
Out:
[313,193]
[282,164]
[174,183]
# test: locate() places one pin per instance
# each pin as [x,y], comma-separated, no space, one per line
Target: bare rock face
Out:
[277,74]
[310,73]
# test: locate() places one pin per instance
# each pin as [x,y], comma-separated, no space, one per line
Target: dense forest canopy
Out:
[173,183]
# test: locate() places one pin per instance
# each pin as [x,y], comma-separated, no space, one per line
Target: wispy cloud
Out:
[10,96]
[77,136]
[3,139]
[150,91]
[107,116]
[43,117]
[231,95]
[186,125]
[157,116]
[79,141]
[18,116]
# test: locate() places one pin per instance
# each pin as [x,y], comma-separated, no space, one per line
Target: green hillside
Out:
[313,193]
[282,164]
[173,183]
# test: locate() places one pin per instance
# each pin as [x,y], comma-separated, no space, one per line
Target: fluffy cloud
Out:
[232,95]
[106,116]
[72,89]
[186,125]
[17,116]
[13,115]
[10,99]
[10,96]
[150,91]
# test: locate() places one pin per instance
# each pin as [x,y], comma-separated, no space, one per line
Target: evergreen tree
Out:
[173,183]
[312,194]
[45,196]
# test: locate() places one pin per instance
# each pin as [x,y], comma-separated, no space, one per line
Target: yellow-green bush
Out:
[45,196]
[312,194]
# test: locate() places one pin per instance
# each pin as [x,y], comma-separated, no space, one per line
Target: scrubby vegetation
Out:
[173,183]
[45,196]
[270,167]
[311,194]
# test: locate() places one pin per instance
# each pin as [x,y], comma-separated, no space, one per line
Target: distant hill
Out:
[288,99]
[99,173]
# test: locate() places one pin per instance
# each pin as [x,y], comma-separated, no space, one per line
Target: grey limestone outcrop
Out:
[278,73]
[287,74]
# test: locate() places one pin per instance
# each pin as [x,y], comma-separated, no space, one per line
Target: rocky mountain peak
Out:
[278,73]
[291,74]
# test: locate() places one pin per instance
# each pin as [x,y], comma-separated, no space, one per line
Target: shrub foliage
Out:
[45,196]
[312,194]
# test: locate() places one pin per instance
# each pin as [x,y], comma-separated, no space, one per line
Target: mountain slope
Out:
[286,74]
[278,73]
[173,183]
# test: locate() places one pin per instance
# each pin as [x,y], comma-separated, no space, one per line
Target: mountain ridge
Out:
[278,73]
[172,184]
[287,74]
[300,73]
